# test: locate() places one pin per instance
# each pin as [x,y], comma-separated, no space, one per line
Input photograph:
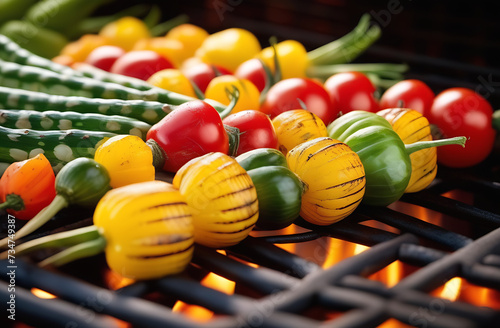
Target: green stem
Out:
[85,249]
[496,120]
[380,69]
[40,219]
[58,240]
[234,95]
[163,28]
[14,202]
[233,134]
[416,146]
[159,156]
[321,55]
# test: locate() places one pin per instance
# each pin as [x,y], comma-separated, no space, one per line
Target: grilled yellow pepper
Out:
[222,198]
[148,230]
[294,127]
[333,178]
[411,126]
[128,160]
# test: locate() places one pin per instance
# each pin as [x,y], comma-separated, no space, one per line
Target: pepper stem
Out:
[159,156]
[40,219]
[79,251]
[14,202]
[233,134]
[419,145]
[61,239]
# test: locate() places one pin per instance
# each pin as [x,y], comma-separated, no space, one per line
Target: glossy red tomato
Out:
[104,57]
[191,130]
[253,71]
[292,93]
[463,112]
[352,91]
[201,74]
[413,94]
[256,130]
[140,64]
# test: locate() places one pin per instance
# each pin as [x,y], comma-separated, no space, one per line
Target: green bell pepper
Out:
[384,155]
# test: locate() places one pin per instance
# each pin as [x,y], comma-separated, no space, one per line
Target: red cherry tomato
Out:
[256,130]
[191,130]
[253,71]
[463,112]
[413,94]
[352,91]
[201,74]
[291,93]
[104,57]
[140,64]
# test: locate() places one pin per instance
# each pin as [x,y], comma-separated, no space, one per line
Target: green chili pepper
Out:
[14,9]
[279,190]
[384,156]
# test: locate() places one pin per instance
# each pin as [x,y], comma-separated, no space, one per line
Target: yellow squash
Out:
[333,177]
[148,230]
[128,160]
[296,126]
[411,126]
[222,197]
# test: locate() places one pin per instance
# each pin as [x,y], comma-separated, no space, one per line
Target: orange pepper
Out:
[27,187]
[172,50]
[174,80]
[80,49]
[248,93]
[191,36]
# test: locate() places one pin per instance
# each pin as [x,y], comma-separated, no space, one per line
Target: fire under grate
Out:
[278,288]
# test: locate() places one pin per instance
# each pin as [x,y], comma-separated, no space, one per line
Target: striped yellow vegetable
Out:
[222,198]
[148,230]
[333,176]
[294,127]
[411,126]
[128,160]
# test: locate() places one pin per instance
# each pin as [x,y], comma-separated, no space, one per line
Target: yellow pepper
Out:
[222,198]
[229,48]
[191,36]
[333,177]
[127,158]
[248,94]
[147,228]
[411,126]
[125,32]
[294,127]
[173,80]
[292,58]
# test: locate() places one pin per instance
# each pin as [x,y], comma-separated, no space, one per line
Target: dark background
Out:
[446,43]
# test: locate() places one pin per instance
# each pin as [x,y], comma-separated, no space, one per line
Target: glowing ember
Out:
[42,294]
[114,281]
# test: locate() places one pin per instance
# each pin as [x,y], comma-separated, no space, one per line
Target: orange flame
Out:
[115,281]
[42,294]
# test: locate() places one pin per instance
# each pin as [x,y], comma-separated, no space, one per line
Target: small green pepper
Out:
[384,155]
[279,190]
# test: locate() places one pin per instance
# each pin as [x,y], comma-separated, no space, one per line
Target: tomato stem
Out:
[233,134]
[79,251]
[61,239]
[14,202]
[416,146]
[159,155]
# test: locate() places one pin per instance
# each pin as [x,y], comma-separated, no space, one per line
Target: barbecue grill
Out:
[431,259]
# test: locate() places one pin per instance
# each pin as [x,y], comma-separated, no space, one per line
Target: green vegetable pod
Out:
[54,120]
[82,182]
[147,111]
[59,147]
[279,190]
[12,52]
[32,78]
[14,9]
[39,40]
[384,156]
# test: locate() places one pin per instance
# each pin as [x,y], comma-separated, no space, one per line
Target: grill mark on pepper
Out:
[417,131]
[168,218]
[354,193]
[148,257]
[428,173]
[166,205]
[233,232]
[337,144]
[238,221]
[247,204]
[168,240]
[346,183]
[250,187]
